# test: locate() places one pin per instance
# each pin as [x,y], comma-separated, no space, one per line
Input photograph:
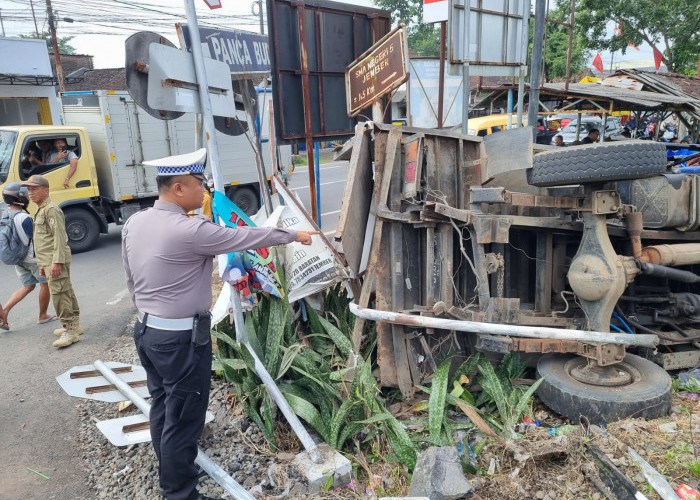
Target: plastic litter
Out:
[685,492]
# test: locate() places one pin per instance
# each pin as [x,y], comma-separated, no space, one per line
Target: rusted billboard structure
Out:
[312,43]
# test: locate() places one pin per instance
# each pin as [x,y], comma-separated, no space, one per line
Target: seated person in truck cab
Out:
[37,156]
[42,151]
[64,155]
[31,154]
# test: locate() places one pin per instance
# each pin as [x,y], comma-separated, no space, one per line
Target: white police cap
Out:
[189,163]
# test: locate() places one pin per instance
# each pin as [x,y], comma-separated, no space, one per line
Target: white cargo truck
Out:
[112,136]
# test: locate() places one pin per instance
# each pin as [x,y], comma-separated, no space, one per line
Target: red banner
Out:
[658,58]
[598,63]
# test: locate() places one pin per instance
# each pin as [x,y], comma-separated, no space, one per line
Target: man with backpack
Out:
[17,248]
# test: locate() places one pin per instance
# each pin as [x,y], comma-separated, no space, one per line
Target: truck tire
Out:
[82,229]
[246,199]
[648,395]
[598,163]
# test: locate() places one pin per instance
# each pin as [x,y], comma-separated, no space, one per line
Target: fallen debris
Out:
[438,475]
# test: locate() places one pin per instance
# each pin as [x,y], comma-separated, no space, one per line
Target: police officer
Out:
[168,262]
[54,258]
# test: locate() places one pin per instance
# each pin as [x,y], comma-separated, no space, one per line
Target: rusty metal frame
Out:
[380,22]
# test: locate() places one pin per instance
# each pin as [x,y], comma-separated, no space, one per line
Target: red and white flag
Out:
[658,58]
[598,63]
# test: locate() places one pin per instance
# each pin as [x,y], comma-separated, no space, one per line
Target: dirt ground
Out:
[543,466]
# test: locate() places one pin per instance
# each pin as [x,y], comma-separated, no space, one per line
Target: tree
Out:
[670,26]
[557,43]
[423,39]
[64,46]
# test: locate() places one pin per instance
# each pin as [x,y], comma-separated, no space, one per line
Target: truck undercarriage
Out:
[600,239]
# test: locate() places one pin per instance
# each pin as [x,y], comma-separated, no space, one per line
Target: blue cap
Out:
[189,163]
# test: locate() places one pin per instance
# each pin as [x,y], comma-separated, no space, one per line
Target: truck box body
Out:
[124,135]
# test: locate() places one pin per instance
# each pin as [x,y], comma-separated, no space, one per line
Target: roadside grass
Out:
[302,160]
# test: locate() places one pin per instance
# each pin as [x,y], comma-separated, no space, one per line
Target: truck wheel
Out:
[246,199]
[82,228]
[642,390]
[598,163]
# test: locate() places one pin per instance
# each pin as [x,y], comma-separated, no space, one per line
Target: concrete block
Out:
[438,475]
[321,462]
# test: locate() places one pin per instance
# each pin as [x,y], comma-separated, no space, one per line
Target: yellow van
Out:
[487,125]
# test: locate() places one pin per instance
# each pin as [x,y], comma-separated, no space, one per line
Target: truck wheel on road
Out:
[642,389]
[82,228]
[246,199]
[598,163]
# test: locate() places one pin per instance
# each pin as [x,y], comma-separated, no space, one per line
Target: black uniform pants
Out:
[179,377]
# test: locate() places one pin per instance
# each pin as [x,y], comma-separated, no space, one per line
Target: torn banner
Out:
[249,271]
[307,268]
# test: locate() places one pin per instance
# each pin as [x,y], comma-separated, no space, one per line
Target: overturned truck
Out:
[585,257]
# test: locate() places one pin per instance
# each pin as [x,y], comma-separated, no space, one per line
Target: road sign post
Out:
[213,153]
[378,71]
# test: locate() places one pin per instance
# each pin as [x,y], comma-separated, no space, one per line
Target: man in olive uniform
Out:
[53,257]
[168,259]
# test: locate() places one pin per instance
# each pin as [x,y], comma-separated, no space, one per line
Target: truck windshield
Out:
[7,146]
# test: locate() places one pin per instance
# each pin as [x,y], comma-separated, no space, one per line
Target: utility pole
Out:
[36,26]
[2,23]
[260,13]
[56,55]
[536,66]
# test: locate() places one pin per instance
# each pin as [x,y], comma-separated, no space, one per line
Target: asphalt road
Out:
[332,182]
[38,421]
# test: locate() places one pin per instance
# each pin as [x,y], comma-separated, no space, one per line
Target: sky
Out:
[100,27]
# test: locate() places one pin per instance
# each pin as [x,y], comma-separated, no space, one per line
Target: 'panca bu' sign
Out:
[379,70]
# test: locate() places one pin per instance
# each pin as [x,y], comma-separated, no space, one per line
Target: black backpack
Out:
[12,250]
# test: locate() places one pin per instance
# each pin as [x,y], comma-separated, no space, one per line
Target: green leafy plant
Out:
[692,385]
[694,468]
[512,402]
[500,405]
[307,360]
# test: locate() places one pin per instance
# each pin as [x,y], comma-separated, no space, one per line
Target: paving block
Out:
[319,464]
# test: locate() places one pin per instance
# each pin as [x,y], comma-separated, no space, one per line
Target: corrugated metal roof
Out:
[687,87]
[625,98]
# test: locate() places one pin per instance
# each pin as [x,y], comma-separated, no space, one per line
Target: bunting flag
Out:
[249,271]
[598,63]
[658,58]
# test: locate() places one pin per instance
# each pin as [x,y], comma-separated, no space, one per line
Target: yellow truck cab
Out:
[26,150]
[112,138]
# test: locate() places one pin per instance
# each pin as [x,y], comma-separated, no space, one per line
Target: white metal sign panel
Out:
[435,11]
[423,89]
[84,386]
[172,82]
[114,431]
[491,35]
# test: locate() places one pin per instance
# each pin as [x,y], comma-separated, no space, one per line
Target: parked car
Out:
[612,127]
[565,118]
[491,124]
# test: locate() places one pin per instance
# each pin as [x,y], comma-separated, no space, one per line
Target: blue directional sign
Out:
[246,53]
